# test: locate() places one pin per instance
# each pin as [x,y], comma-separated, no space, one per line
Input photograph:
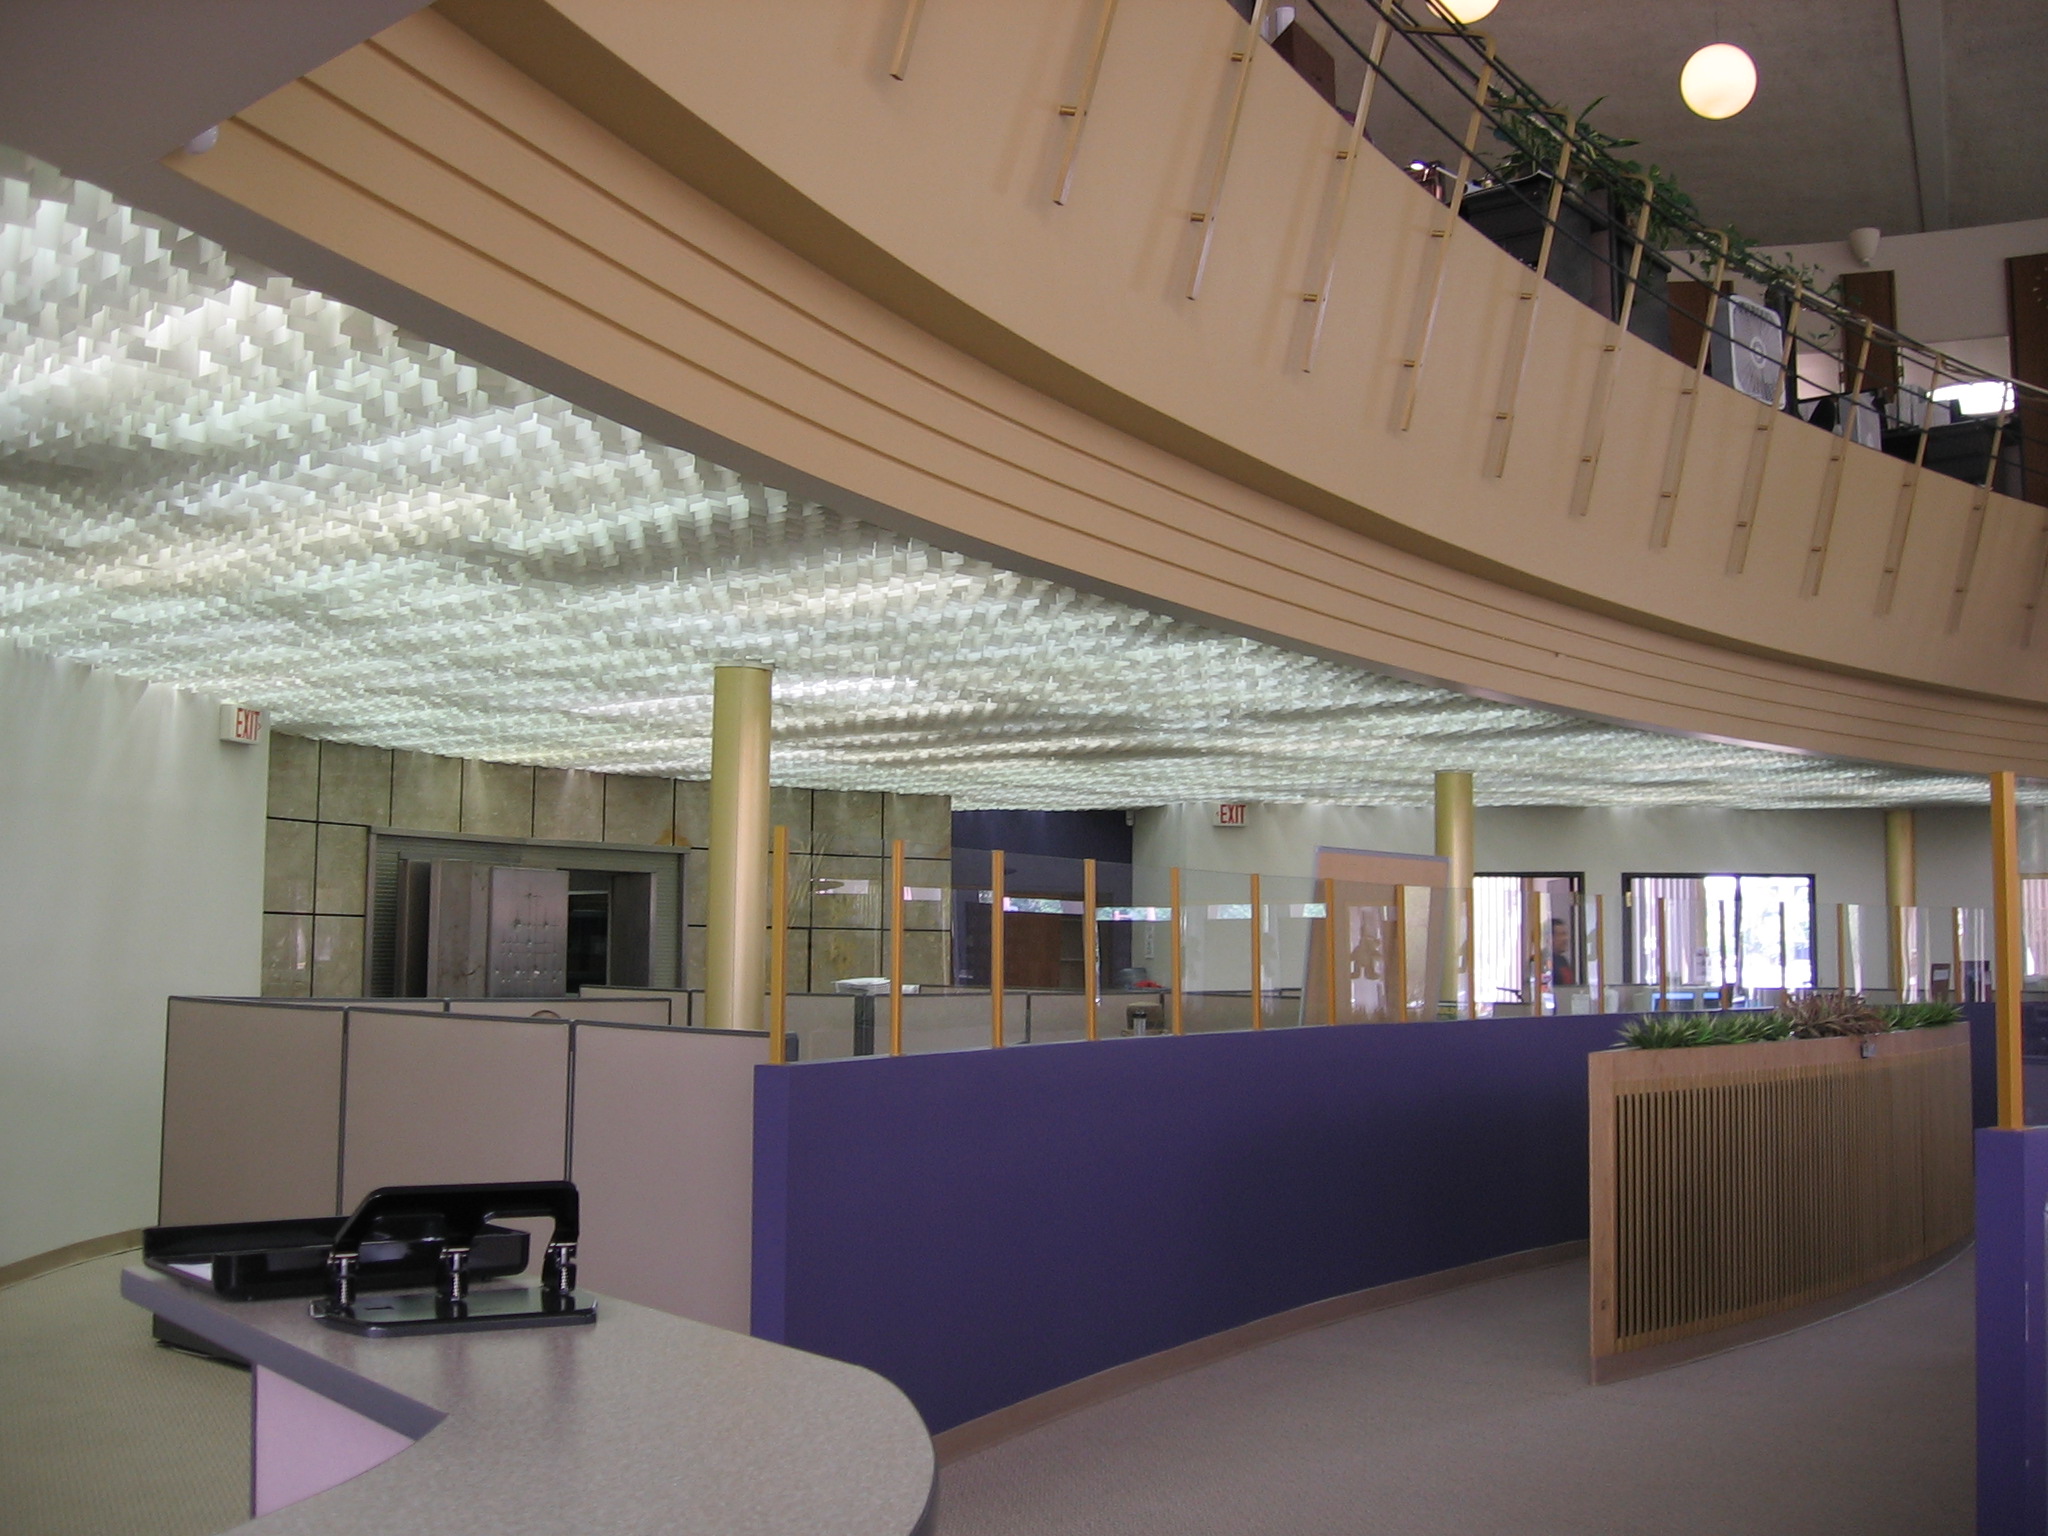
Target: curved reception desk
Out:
[644,1422]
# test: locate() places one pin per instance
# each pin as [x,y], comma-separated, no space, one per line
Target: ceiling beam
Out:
[1920,48]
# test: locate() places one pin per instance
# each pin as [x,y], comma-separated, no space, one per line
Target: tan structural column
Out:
[1454,842]
[1900,880]
[736,894]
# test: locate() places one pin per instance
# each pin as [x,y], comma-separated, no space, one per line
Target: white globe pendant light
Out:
[1465,12]
[1718,81]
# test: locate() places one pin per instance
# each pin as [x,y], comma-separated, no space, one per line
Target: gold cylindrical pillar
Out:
[736,887]
[1454,842]
[1900,880]
[1900,877]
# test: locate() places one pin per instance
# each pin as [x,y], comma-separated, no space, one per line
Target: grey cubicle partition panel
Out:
[403,1004]
[1211,1012]
[651,1009]
[452,1099]
[1056,1016]
[950,1021]
[252,1103]
[823,1022]
[663,1154]
[680,1008]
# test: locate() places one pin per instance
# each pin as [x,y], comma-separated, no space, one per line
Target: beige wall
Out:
[327,797]
[128,871]
[925,340]
[1843,850]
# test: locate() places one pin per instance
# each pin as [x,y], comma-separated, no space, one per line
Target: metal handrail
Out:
[1484,79]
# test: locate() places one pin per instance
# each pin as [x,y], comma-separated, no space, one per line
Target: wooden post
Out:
[2008,954]
[1258,959]
[1330,943]
[1397,972]
[1722,923]
[1663,958]
[1600,927]
[1173,878]
[1530,963]
[1090,946]
[1842,947]
[1901,890]
[995,947]
[778,951]
[896,947]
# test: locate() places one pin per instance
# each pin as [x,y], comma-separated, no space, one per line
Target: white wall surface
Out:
[1842,850]
[1951,282]
[131,868]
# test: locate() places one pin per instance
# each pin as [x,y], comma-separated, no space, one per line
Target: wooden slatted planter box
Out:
[1740,1190]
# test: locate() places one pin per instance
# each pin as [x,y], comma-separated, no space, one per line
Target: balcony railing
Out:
[1502,158]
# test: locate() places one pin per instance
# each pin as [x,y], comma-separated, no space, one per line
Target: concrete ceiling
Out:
[1906,114]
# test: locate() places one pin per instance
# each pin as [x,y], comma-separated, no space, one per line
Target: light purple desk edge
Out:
[645,1422]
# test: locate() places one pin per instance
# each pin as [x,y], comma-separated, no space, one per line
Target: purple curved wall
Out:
[983,1226]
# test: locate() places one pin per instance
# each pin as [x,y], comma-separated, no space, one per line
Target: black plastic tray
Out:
[266,1260]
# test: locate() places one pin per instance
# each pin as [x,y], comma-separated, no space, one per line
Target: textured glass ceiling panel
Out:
[212,477]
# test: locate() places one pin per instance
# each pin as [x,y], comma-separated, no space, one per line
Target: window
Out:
[1528,932]
[1696,933]
[1981,397]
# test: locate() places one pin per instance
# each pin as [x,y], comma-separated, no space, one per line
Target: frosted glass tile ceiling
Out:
[212,477]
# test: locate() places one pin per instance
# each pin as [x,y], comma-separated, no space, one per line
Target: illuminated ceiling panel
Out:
[212,477]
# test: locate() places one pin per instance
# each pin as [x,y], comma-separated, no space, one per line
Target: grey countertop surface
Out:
[645,1422]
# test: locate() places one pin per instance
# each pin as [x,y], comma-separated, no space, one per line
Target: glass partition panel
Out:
[1529,942]
[1290,908]
[2034,928]
[1216,951]
[1719,941]
[1776,936]
[1968,979]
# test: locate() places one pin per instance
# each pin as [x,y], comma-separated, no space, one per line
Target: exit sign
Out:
[241,724]
[1230,813]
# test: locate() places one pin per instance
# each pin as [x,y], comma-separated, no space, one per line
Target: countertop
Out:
[644,1423]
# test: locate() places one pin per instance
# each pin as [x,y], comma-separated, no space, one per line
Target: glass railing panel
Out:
[1216,951]
[1290,908]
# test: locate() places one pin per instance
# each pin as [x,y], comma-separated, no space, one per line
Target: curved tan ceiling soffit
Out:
[428,160]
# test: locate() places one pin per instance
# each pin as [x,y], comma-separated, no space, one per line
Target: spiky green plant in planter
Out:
[1812,1016]
[1922,1015]
[1670,1031]
[1827,1015]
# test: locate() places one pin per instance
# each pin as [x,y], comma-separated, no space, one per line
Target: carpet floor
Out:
[1464,1415]
[104,1433]
[1469,1415]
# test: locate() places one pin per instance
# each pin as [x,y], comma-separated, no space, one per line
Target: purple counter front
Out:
[983,1226]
